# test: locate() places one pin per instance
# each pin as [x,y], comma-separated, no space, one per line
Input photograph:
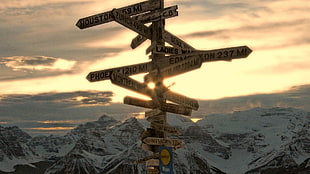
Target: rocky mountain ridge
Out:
[255,141]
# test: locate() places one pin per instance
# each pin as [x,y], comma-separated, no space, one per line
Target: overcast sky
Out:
[44,57]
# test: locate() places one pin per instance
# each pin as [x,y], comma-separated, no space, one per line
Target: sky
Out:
[45,58]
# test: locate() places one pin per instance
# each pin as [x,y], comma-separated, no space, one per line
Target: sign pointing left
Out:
[106,17]
[126,70]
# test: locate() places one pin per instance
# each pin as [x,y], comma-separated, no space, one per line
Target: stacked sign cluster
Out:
[148,19]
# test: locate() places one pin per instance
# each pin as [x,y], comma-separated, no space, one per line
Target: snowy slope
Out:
[255,141]
[259,136]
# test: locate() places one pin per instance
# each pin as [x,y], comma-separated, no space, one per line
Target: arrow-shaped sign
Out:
[130,10]
[130,23]
[166,13]
[225,54]
[138,40]
[177,109]
[152,162]
[175,41]
[153,112]
[181,99]
[171,50]
[167,107]
[131,84]
[165,128]
[168,37]
[126,70]
[152,171]
[183,66]
[155,155]
[162,141]
[139,102]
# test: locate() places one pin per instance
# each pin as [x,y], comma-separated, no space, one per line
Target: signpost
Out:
[167,61]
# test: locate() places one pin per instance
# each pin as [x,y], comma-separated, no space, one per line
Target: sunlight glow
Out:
[151,85]
[139,115]
[195,119]
[62,121]
[51,128]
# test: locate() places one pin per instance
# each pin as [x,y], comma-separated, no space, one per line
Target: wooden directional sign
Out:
[167,107]
[130,10]
[126,70]
[146,147]
[226,54]
[139,102]
[181,99]
[178,147]
[152,162]
[165,128]
[156,118]
[152,171]
[131,84]
[181,67]
[162,141]
[155,155]
[155,16]
[130,23]
[171,50]
[153,112]
[177,109]
[138,40]
[169,38]
[175,41]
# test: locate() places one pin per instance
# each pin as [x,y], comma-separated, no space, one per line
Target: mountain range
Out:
[259,140]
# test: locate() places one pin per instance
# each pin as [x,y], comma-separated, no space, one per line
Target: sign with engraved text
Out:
[126,70]
[181,99]
[105,17]
[130,23]
[155,16]
[129,83]
[162,141]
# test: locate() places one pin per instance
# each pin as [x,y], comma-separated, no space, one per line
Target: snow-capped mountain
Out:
[259,140]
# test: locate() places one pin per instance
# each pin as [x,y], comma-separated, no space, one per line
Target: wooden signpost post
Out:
[167,61]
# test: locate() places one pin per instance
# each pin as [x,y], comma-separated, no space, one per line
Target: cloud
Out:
[285,68]
[45,113]
[38,63]
[296,97]
[77,98]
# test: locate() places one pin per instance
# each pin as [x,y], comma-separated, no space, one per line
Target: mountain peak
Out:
[105,118]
